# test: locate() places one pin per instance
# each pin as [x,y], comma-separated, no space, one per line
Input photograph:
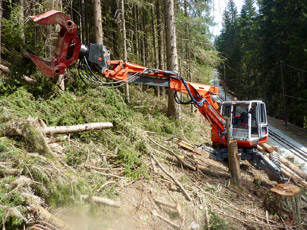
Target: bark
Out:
[267,147]
[154,35]
[294,168]
[127,94]
[76,128]
[233,158]
[284,200]
[83,31]
[28,79]
[136,32]
[187,48]
[98,22]
[52,36]
[233,162]
[87,25]
[160,35]
[1,10]
[260,148]
[102,200]
[160,32]
[3,68]
[49,218]
[172,57]
[293,176]
[61,83]
[21,2]
[144,38]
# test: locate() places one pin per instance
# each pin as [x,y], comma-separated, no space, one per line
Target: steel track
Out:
[289,146]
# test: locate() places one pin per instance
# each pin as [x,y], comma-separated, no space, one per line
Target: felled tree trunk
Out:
[77,128]
[284,200]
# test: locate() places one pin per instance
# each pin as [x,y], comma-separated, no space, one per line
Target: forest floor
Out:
[119,164]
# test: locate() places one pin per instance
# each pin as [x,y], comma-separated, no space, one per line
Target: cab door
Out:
[263,121]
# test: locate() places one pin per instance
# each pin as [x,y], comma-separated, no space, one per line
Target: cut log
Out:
[49,218]
[28,79]
[191,147]
[267,147]
[287,172]
[294,177]
[291,158]
[4,69]
[284,200]
[174,206]
[294,168]
[260,148]
[77,128]
[101,200]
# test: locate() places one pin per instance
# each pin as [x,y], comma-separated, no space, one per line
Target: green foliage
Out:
[132,161]
[75,156]
[12,199]
[217,223]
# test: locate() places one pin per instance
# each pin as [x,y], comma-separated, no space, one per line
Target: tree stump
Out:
[284,200]
[233,157]
[234,162]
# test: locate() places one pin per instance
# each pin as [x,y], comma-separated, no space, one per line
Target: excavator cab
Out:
[248,121]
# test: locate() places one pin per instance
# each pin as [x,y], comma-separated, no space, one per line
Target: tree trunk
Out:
[51,130]
[83,33]
[87,34]
[52,36]
[172,57]
[154,35]
[0,27]
[284,200]
[136,31]
[144,38]
[233,158]
[98,22]
[127,94]
[160,39]
[22,19]
[187,49]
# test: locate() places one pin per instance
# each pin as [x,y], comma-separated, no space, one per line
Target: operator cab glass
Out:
[248,119]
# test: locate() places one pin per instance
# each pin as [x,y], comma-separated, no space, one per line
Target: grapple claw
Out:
[67,48]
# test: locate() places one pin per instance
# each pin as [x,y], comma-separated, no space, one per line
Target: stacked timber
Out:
[289,170]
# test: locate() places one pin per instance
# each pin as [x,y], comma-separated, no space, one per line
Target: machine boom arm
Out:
[69,49]
[200,94]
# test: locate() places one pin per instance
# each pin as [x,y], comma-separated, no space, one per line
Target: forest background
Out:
[261,51]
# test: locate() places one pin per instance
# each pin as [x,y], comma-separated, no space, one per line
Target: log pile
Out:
[289,170]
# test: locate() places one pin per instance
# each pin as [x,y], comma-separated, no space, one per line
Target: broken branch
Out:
[172,177]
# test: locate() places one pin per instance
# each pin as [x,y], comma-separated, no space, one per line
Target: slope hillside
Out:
[133,176]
